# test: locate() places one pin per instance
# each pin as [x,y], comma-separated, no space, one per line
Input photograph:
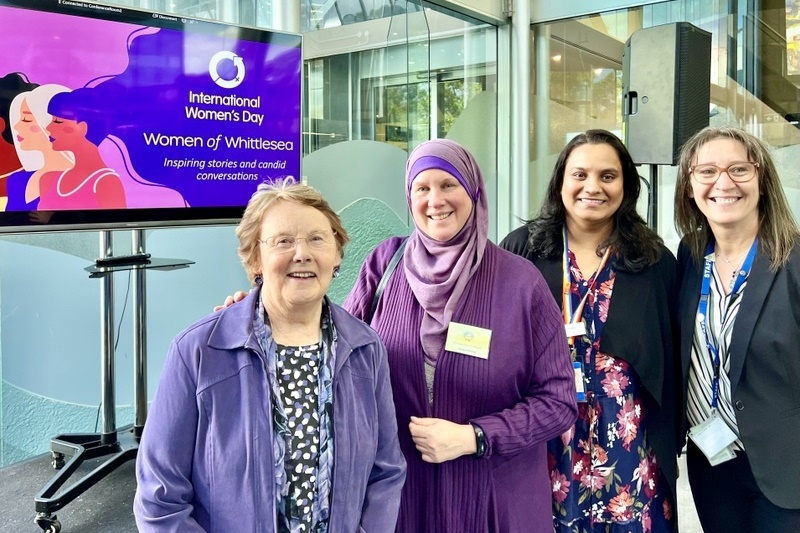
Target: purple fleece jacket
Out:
[205,460]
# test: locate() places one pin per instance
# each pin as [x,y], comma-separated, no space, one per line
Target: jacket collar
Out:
[759,282]
[234,328]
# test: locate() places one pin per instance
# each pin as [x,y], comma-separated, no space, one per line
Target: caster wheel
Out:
[57,460]
[49,524]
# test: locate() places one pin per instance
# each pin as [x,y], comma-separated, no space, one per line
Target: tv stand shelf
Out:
[98,270]
[119,445]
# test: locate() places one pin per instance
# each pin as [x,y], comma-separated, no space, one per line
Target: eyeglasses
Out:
[739,172]
[287,243]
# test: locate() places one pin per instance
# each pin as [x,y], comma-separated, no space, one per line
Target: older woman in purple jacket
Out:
[276,414]
[479,362]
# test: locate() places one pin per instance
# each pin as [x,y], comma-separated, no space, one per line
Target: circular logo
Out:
[226,62]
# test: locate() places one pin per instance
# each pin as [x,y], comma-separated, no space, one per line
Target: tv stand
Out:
[68,451]
[138,258]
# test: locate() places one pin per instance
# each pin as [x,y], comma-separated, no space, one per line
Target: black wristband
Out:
[480,441]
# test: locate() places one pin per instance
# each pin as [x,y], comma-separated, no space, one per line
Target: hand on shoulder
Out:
[238,296]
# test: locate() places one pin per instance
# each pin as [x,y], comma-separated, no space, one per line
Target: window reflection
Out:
[755,83]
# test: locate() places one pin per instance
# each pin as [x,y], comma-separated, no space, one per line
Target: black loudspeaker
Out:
[666,88]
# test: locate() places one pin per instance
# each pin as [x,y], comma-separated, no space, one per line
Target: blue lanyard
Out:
[702,308]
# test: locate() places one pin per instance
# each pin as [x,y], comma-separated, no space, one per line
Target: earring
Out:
[336,272]
[258,280]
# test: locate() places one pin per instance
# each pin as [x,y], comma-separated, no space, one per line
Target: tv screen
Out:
[115,118]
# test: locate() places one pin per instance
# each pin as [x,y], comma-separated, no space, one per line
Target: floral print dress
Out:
[604,475]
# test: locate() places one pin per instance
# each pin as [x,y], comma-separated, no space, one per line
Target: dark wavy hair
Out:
[10,86]
[635,245]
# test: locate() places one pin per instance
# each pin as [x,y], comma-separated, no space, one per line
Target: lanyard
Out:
[571,317]
[702,308]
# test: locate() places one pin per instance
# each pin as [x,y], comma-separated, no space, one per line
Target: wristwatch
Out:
[480,441]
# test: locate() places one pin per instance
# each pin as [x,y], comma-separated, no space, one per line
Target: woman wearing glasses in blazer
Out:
[739,263]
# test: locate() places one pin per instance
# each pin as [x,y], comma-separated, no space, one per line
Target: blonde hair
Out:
[777,229]
[265,197]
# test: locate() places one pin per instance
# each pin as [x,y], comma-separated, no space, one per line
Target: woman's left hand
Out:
[440,440]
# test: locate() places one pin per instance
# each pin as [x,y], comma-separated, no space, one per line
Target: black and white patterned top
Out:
[701,370]
[298,379]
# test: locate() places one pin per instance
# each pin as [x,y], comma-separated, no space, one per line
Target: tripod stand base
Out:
[68,452]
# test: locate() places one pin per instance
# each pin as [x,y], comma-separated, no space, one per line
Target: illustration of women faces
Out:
[29,116]
[11,85]
[90,183]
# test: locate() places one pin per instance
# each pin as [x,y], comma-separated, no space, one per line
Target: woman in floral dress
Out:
[615,470]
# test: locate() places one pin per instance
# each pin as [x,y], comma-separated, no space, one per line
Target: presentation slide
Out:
[99,113]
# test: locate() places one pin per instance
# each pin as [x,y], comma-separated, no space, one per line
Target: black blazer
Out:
[764,368]
[641,329]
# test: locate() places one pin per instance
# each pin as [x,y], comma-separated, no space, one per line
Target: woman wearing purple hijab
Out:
[479,364]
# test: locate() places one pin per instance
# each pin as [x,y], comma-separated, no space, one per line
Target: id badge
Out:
[714,437]
[580,384]
[725,455]
[468,340]
[575,329]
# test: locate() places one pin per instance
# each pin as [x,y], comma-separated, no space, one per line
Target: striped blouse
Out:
[701,369]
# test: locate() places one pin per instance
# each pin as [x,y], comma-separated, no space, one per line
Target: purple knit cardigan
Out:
[522,395]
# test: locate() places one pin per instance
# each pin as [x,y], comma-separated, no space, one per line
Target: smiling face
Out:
[440,205]
[592,190]
[295,279]
[725,203]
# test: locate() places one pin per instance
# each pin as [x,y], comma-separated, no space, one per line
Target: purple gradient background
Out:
[145,89]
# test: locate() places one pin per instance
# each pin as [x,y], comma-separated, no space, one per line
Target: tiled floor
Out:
[687,516]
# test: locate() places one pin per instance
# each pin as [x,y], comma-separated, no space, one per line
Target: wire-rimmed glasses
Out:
[284,243]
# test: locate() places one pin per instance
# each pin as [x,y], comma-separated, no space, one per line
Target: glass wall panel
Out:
[378,88]
[754,81]
[380,77]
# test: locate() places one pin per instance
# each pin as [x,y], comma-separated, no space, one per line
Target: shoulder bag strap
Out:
[385,279]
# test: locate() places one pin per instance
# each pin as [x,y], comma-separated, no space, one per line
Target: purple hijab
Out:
[438,272]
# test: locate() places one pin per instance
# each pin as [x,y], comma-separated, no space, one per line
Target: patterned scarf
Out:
[281,438]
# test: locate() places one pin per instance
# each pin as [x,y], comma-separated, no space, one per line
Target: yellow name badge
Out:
[468,340]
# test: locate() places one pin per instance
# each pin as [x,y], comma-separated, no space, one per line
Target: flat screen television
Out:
[118,118]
